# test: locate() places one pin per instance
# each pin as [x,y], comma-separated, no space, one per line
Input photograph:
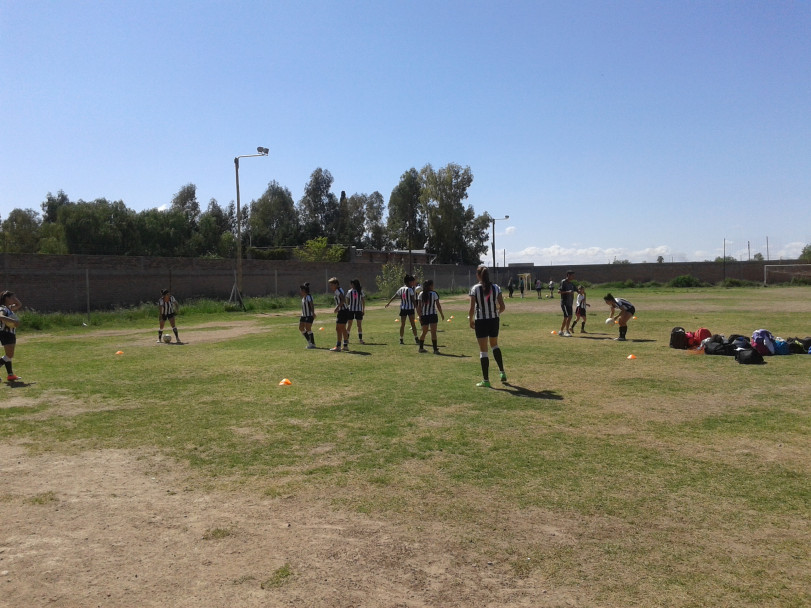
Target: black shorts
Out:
[343,317]
[630,311]
[7,338]
[406,312]
[487,328]
[168,317]
[357,315]
[566,308]
[428,319]
[306,319]
[580,310]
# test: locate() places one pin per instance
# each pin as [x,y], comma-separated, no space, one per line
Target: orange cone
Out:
[632,356]
[120,352]
[285,382]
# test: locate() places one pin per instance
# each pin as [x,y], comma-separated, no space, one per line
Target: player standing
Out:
[486,304]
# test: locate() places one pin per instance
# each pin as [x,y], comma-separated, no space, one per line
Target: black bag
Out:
[719,348]
[749,356]
[678,338]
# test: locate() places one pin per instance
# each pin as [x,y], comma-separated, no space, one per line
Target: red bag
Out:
[702,334]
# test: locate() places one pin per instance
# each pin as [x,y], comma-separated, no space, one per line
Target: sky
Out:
[611,130]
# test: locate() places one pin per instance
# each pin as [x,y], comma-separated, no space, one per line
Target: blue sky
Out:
[604,130]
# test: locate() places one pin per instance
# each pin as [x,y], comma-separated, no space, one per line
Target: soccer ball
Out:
[167,338]
[609,320]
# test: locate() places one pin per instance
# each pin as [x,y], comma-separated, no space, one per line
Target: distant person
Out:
[9,304]
[566,291]
[356,301]
[580,309]
[538,287]
[486,304]
[511,286]
[626,312]
[305,324]
[521,285]
[427,308]
[551,287]
[167,309]
[407,305]
[341,315]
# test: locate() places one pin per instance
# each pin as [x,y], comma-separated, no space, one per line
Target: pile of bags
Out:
[745,350]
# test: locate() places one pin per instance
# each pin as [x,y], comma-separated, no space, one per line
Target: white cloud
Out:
[556,255]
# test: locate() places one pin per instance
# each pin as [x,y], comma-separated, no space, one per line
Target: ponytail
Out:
[484,278]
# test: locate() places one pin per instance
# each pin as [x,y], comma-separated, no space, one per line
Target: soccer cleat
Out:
[361,342]
[160,341]
[620,339]
[335,349]
[436,351]
[483,384]
[401,341]
[310,346]
[422,350]
[13,378]
[503,376]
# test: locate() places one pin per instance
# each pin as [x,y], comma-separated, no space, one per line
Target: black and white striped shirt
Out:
[429,307]
[5,311]
[340,301]
[486,304]
[307,306]
[406,295]
[168,308]
[354,300]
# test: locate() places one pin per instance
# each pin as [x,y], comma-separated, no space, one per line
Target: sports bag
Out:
[719,348]
[781,347]
[748,356]
[702,334]
[763,342]
[798,346]
[678,338]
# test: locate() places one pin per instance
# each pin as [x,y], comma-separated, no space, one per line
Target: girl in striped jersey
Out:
[8,330]
[427,307]
[486,303]
[356,302]
[342,313]
[305,323]
[167,308]
[407,305]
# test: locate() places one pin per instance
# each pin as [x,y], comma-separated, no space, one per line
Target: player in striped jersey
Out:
[626,313]
[167,308]
[8,330]
[305,323]
[427,307]
[407,305]
[342,313]
[486,304]
[356,302]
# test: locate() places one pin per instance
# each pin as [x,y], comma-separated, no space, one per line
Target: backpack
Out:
[702,334]
[763,342]
[781,347]
[719,348]
[749,356]
[798,346]
[691,340]
[678,338]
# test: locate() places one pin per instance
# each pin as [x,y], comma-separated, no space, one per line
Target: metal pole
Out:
[239,230]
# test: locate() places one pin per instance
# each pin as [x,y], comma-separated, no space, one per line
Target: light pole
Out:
[493,242]
[260,152]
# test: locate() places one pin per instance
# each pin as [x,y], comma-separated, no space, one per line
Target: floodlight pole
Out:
[260,152]
[493,220]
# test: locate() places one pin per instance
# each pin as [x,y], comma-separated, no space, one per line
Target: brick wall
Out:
[72,283]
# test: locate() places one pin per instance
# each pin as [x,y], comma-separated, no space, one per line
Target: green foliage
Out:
[391,276]
[270,254]
[318,250]
[805,255]
[738,283]
[278,578]
[616,261]
[728,258]
[685,280]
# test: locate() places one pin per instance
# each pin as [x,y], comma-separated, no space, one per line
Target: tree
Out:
[51,205]
[318,250]
[407,221]
[374,236]
[21,231]
[353,220]
[455,234]
[805,255]
[273,218]
[318,208]
[728,258]
[758,257]
[100,227]
[185,202]
[660,260]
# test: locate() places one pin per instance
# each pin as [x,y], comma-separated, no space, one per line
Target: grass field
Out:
[673,479]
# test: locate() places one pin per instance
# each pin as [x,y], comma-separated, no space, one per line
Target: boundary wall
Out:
[77,283]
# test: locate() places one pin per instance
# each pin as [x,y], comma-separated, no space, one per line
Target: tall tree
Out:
[100,227]
[273,218]
[318,208]
[185,201]
[407,225]
[21,231]
[456,235]
[374,235]
[51,205]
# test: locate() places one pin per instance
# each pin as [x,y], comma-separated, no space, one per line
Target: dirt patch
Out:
[121,528]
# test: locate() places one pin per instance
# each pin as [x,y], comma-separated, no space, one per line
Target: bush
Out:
[685,280]
[391,276]
[271,254]
[738,283]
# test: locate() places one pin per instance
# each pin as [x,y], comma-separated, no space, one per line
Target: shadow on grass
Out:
[18,383]
[520,391]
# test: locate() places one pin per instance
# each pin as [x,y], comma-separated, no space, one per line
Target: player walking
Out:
[305,324]
[407,305]
[8,330]
[427,307]
[486,304]
[356,302]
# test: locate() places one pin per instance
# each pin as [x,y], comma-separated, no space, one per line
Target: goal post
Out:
[798,274]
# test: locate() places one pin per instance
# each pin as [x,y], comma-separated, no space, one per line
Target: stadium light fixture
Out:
[260,152]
